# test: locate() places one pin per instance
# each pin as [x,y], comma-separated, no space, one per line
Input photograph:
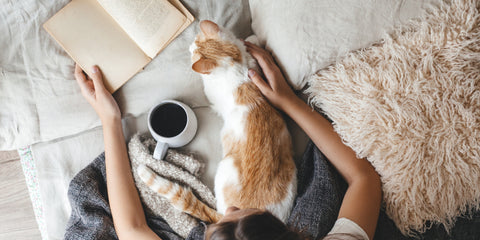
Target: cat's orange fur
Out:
[180,197]
[262,156]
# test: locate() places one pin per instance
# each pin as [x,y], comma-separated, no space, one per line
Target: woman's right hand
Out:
[94,91]
[275,88]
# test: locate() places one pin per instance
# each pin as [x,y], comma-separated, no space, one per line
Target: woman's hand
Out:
[97,95]
[275,88]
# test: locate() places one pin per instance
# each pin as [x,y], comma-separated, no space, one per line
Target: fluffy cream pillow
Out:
[308,35]
[411,106]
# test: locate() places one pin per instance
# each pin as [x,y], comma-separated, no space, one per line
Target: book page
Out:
[91,37]
[152,24]
[177,4]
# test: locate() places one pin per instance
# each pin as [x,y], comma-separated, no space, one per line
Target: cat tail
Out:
[179,196]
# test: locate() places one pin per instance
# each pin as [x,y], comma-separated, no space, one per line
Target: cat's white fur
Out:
[226,175]
[282,209]
[219,87]
[220,93]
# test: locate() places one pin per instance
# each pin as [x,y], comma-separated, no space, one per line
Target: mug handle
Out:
[160,150]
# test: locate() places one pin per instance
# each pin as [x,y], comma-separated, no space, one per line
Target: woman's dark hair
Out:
[259,226]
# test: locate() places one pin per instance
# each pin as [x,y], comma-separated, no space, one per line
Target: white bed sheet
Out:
[39,98]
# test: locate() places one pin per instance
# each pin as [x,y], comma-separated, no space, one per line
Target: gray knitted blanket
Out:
[91,216]
[320,193]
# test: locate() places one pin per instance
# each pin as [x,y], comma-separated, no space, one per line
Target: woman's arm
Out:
[127,211]
[363,197]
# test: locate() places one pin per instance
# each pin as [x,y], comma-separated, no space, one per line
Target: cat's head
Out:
[216,48]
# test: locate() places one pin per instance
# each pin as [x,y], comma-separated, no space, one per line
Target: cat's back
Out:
[260,159]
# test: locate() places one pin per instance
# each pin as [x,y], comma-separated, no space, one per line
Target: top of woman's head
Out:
[260,225]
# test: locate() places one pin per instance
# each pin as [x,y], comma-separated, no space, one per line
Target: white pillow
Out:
[308,35]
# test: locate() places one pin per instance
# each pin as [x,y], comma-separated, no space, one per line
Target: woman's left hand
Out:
[275,88]
[94,91]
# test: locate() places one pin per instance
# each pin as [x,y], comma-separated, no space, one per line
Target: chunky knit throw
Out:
[178,167]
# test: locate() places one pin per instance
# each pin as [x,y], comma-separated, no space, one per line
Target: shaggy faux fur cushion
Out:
[411,106]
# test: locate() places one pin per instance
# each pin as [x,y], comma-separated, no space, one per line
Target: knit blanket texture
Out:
[320,194]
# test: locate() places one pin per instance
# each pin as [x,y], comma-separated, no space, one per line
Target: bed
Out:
[44,116]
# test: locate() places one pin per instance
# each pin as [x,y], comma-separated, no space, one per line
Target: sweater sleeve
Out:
[347,226]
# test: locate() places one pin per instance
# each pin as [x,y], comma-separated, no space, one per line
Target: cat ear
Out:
[204,65]
[209,28]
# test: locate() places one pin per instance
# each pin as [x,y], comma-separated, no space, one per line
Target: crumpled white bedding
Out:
[41,105]
[39,98]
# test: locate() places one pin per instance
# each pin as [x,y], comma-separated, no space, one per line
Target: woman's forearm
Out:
[363,197]
[127,211]
[323,135]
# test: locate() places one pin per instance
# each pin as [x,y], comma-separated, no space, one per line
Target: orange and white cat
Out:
[257,169]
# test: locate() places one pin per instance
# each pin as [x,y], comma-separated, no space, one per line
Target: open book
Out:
[120,36]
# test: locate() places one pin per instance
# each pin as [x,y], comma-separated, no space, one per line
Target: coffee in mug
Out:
[169,120]
[172,124]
